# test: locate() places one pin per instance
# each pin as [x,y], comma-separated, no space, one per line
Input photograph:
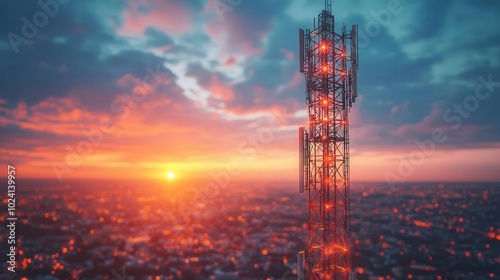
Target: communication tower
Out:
[329,61]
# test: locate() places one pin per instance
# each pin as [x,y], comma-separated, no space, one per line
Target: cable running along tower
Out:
[329,61]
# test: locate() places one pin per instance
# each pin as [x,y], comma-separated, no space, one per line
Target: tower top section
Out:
[328,6]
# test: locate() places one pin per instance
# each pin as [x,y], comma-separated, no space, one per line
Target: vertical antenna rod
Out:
[328,6]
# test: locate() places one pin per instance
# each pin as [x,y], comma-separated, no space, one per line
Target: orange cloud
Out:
[221,91]
[54,115]
[171,17]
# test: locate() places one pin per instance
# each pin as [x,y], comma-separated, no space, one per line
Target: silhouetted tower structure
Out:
[329,61]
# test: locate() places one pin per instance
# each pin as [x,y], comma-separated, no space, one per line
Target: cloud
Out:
[220,91]
[171,17]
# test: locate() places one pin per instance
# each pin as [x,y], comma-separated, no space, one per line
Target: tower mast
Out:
[329,61]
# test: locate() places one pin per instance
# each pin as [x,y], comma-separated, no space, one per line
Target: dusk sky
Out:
[139,88]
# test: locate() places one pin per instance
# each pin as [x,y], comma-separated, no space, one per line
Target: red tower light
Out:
[324,47]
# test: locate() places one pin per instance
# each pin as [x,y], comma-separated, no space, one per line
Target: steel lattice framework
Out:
[329,62]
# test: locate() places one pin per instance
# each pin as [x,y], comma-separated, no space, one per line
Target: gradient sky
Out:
[226,95]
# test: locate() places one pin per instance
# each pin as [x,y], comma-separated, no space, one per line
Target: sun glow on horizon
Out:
[170,175]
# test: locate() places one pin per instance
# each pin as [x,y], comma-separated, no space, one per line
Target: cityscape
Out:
[113,230]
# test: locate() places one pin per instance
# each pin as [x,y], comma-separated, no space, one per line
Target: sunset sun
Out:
[170,175]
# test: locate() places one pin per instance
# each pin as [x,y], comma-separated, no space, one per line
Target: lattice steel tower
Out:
[329,61]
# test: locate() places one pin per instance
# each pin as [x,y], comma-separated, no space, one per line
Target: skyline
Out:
[138,89]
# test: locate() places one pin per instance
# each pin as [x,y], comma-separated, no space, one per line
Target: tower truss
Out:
[329,62]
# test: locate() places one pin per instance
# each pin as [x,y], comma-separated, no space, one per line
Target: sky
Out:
[210,89]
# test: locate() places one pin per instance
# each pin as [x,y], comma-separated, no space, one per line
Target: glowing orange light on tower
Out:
[323,47]
[325,68]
